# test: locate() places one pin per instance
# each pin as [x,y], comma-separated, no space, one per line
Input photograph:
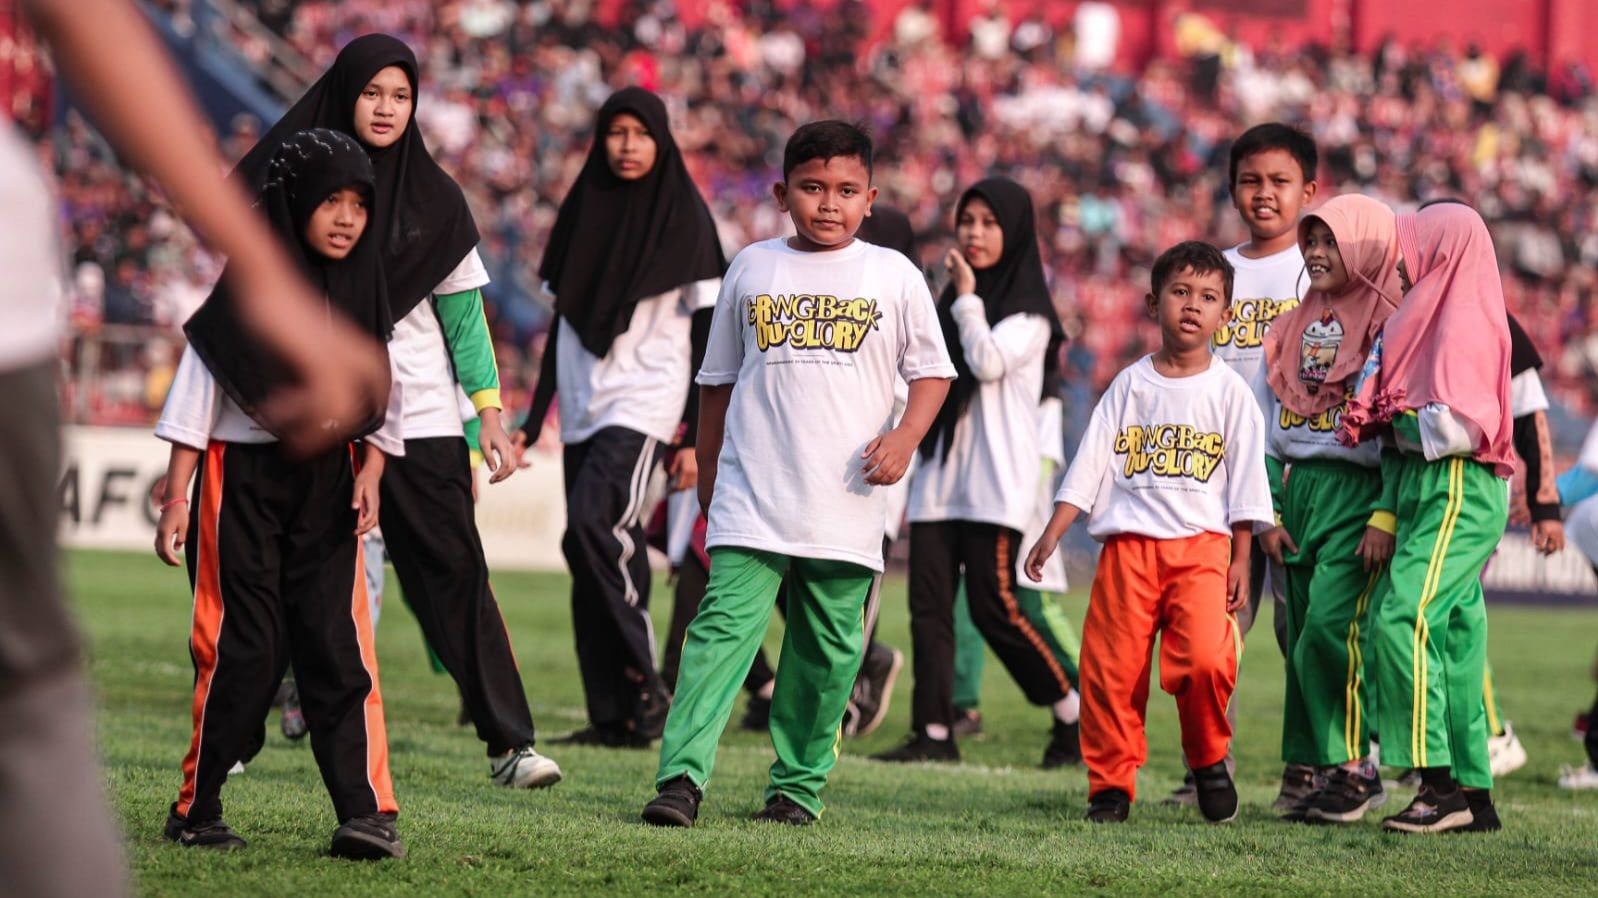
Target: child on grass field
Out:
[1171,472]
[796,446]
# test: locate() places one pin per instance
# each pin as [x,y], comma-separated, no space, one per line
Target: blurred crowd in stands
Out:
[1120,165]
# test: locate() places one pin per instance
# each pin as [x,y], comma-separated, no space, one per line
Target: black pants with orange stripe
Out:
[940,552]
[276,571]
[430,525]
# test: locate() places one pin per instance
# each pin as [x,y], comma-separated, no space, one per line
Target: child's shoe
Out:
[1298,783]
[369,838]
[524,768]
[782,809]
[1505,754]
[205,834]
[757,715]
[1583,777]
[1217,795]
[676,805]
[1065,746]
[1484,817]
[1109,806]
[1432,812]
[1347,796]
[921,747]
[967,722]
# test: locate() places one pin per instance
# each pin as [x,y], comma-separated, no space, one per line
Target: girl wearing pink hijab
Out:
[1334,535]
[1437,384]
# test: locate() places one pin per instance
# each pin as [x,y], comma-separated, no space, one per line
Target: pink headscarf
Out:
[1449,340]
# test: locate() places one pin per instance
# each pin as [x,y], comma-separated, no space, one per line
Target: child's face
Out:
[1269,193]
[1322,259]
[827,199]
[1191,307]
[336,225]
[978,233]
[1404,283]
[629,147]
[383,110]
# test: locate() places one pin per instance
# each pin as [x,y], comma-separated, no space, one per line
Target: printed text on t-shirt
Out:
[1251,319]
[810,321]
[1170,450]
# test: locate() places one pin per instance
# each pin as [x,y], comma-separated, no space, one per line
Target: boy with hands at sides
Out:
[1171,472]
[796,442]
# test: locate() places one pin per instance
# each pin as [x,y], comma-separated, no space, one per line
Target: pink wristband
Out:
[166,505]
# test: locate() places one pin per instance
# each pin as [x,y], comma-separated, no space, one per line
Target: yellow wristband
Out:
[488,398]
[1385,521]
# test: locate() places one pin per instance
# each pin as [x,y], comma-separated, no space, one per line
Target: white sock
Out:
[766,689]
[937,732]
[1069,709]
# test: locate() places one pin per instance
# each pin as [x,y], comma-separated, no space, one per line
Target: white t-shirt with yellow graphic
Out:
[1171,457]
[1261,291]
[812,343]
[1291,437]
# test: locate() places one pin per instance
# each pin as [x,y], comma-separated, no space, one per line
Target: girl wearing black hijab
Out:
[974,491]
[273,550]
[434,274]
[633,264]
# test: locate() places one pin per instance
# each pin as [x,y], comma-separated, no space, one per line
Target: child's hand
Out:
[1039,556]
[498,450]
[171,532]
[1548,537]
[1375,547]
[1237,576]
[965,280]
[1276,539]
[365,500]
[518,442]
[684,469]
[887,457]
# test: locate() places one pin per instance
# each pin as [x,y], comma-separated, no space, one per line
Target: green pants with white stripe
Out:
[1326,506]
[821,650]
[1431,627]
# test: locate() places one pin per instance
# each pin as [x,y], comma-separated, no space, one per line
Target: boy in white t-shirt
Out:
[1172,472]
[796,448]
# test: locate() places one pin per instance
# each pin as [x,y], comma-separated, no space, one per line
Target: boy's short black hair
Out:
[1200,257]
[1275,136]
[828,139]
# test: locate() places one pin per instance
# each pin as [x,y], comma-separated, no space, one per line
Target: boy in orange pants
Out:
[1171,472]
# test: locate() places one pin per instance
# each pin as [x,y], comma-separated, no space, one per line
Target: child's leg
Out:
[238,622]
[1043,612]
[335,655]
[970,654]
[1200,644]
[1297,744]
[1495,720]
[716,654]
[1117,638]
[988,552]
[1469,728]
[690,591]
[821,652]
[934,577]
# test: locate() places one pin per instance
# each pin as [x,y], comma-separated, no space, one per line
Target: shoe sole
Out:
[1349,816]
[887,695]
[1445,823]
[1227,819]
[358,846]
[543,779]
[667,817]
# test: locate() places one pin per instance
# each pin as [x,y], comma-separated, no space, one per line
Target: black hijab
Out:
[616,242]
[888,227]
[306,168]
[1014,285]
[419,212]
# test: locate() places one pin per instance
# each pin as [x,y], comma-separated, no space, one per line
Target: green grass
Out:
[992,825]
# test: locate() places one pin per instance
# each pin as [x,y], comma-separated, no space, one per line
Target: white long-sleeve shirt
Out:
[1171,457]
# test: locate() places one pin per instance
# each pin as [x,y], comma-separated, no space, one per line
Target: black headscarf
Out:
[1014,285]
[616,242]
[1523,355]
[888,227]
[306,168]
[419,212]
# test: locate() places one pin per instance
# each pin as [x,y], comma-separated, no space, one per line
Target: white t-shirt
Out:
[988,472]
[32,309]
[642,383]
[1262,290]
[1526,394]
[1051,449]
[1291,437]
[419,359]
[197,411]
[1171,457]
[811,343]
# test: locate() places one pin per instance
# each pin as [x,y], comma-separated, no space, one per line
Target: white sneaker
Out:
[238,767]
[1583,777]
[1505,754]
[524,768]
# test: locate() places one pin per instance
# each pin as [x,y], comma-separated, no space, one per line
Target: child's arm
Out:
[1237,576]
[1275,540]
[172,530]
[888,456]
[1065,514]
[471,348]
[1376,546]
[365,501]
[683,466]
[1534,443]
[713,402]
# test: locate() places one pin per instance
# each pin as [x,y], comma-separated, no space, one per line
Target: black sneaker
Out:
[757,715]
[967,722]
[873,688]
[1065,746]
[676,805]
[1109,806]
[649,721]
[207,834]
[602,737]
[1217,795]
[1185,795]
[921,747]
[1298,785]
[1347,796]
[782,809]
[1432,812]
[1484,817]
[369,838]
